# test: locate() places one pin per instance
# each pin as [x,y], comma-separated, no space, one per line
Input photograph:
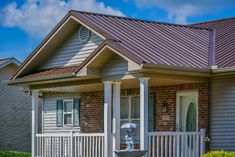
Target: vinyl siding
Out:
[223,114]
[115,66]
[15,114]
[73,51]
[49,112]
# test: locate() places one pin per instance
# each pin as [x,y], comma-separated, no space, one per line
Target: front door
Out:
[187,112]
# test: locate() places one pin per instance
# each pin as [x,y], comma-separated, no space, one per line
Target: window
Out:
[68,108]
[130,113]
[68,113]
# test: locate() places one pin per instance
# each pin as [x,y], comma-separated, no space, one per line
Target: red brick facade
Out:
[92,112]
[92,106]
[168,94]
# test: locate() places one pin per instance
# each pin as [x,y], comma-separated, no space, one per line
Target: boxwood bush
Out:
[219,154]
[14,154]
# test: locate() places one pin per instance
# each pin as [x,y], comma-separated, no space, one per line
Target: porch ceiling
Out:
[126,84]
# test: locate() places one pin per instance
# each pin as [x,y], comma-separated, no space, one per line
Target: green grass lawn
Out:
[14,154]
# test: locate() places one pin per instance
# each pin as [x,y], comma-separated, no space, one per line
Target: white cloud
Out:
[179,10]
[37,17]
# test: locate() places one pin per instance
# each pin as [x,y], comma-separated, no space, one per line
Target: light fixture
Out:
[164,107]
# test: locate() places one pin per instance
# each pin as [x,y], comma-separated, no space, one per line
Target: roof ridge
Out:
[141,20]
[217,20]
[1,59]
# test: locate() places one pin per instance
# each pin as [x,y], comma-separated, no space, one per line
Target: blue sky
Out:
[24,23]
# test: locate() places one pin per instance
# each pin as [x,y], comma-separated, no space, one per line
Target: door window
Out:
[187,111]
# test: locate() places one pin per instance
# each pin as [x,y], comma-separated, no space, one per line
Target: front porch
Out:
[102,112]
[160,144]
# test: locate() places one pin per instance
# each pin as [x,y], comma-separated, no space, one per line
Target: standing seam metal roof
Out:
[150,42]
[154,42]
[225,41]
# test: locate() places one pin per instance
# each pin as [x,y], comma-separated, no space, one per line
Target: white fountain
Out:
[130,150]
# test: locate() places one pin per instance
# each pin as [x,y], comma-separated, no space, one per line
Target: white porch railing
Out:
[70,145]
[176,144]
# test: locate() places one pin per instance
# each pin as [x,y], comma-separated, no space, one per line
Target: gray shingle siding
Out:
[15,115]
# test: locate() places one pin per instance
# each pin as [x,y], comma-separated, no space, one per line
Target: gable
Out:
[115,66]
[73,51]
[46,50]
[7,72]
[108,62]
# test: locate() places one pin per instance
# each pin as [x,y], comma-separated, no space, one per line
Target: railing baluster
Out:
[150,146]
[162,139]
[100,151]
[157,146]
[170,146]
[174,145]
[190,145]
[153,137]
[178,145]
[186,145]
[166,146]
[97,150]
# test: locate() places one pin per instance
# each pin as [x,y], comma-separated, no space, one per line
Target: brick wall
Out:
[92,112]
[92,106]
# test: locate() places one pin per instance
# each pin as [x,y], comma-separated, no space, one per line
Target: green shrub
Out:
[14,154]
[219,154]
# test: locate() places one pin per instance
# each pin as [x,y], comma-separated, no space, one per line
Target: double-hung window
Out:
[67,112]
[130,113]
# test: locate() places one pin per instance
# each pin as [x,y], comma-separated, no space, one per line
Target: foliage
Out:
[14,154]
[219,154]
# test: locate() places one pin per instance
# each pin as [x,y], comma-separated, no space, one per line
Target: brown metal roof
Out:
[154,42]
[143,41]
[225,41]
[51,72]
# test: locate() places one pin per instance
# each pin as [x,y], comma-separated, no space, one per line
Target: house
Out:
[95,72]
[15,111]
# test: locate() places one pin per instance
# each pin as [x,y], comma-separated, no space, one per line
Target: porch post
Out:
[107,119]
[144,113]
[34,121]
[116,116]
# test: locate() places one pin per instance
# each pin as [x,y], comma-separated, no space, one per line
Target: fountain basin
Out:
[130,153]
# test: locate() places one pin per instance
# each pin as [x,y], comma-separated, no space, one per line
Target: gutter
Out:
[223,71]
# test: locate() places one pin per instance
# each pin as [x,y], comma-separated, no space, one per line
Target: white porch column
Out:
[107,119]
[34,121]
[116,116]
[144,113]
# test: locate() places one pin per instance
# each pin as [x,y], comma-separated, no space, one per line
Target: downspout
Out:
[213,66]
[209,115]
